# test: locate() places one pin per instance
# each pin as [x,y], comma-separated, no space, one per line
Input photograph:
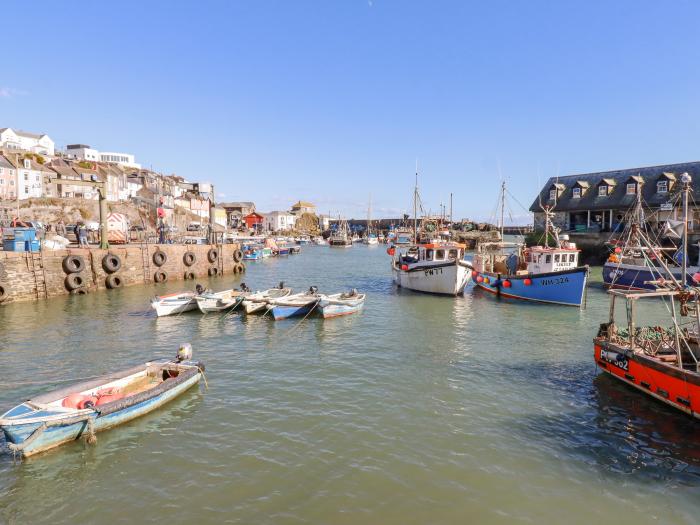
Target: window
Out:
[26,176]
[572,257]
[662,186]
[27,164]
[1,170]
[602,191]
[453,254]
[12,182]
[577,193]
[440,255]
[548,259]
[556,257]
[631,188]
[552,194]
[2,181]
[428,255]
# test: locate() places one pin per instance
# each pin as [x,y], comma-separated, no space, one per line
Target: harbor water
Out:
[420,409]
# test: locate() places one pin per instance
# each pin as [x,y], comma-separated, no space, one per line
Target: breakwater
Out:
[26,276]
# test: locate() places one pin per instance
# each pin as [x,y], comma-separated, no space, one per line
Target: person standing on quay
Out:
[82,236]
[61,228]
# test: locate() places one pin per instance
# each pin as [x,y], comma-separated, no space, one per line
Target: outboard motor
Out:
[184,353]
[244,287]
[281,285]
[313,290]
[199,289]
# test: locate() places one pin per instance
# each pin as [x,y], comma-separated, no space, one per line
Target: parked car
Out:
[194,227]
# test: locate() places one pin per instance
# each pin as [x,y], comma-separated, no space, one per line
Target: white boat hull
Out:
[449,279]
[173,306]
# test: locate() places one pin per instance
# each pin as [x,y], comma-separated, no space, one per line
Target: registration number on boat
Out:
[615,358]
[556,280]
[433,271]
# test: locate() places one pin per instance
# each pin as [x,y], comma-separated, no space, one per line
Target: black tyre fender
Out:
[237,256]
[114,281]
[4,292]
[189,276]
[159,258]
[213,271]
[189,258]
[73,264]
[111,263]
[160,276]
[241,268]
[74,281]
[79,291]
[212,255]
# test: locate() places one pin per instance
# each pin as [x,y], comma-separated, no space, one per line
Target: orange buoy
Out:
[72,400]
[479,279]
[506,284]
[527,282]
[474,273]
[486,280]
[404,267]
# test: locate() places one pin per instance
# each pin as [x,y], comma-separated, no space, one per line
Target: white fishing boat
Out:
[294,305]
[257,302]
[341,236]
[209,301]
[338,304]
[175,303]
[371,237]
[320,241]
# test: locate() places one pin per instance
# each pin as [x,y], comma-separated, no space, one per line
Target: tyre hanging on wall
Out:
[160,276]
[79,291]
[114,281]
[4,292]
[241,268]
[237,256]
[189,276]
[73,281]
[213,271]
[159,258]
[212,255]
[111,263]
[73,264]
[189,258]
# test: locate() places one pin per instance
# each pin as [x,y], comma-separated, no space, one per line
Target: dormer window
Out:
[602,191]
[552,195]
[662,186]
[27,164]
[577,193]
[631,188]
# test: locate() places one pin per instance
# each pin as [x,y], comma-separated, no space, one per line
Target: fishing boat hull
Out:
[662,381]
[637,277]
[175,304]
[448,278]
[328,309]
[213,304]
[280,312]
[257,302]
[564,287]
[70,427]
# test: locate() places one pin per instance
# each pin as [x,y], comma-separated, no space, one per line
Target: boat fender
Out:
[189,258]
[87,402]
[507,284]
[189,276]
[239,268]
[160,276]
[73,264]
[111,263]
[72,400]
[474,274]
[238,255]
[696,278]
[487,280]
[213,271]
[79,291]
[4,291]
[479,279]
[391,251]
[236,269]
[404,267]
[113,281]
[159,258]
[527,282]
[74,281]
[212,255]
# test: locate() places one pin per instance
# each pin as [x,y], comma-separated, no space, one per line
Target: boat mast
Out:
[415,208]
[503,205]
[686,179]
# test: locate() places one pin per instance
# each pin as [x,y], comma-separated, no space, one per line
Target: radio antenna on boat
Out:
[415,208]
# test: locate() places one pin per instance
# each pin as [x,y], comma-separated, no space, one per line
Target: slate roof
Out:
[617,197]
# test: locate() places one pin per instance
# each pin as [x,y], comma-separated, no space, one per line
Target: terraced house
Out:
[598,202]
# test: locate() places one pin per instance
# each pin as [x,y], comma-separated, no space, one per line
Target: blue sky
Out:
[332,101]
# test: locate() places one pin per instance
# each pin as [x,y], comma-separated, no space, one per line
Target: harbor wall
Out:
[26,276]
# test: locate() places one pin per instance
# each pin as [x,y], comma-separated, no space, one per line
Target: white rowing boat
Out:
[256,302]
[209,301]
[175,303]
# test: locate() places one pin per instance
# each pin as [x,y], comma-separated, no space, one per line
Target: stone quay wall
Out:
[26,276]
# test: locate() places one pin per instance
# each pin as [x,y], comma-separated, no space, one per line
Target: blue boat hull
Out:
[633,277]
[57,435]
[283,312]
[565,288]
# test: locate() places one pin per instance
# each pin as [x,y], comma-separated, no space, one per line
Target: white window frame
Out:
[552,195]
[660,184]
[577,193]
[603,190]
[633,187]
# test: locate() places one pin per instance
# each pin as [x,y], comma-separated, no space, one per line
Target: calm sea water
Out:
[419,410]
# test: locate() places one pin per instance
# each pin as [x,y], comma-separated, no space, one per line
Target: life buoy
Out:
[212,255]
[111,263]
[189,276]
[159,258]
[114,281]
[237,255]
[73,264]
[160,276]
[74,281]
[189,258]
[213,271]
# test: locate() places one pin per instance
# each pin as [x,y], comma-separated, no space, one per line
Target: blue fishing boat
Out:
[294,305]
[253,254]
[338,304]
[49,420]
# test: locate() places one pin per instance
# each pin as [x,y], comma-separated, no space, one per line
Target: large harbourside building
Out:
[598,202]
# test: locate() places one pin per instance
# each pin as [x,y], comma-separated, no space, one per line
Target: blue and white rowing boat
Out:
[294,305]
[64,415]
[338,304]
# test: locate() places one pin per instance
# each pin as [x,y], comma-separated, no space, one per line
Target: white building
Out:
[85,152]
[82,152]
[8,180]
[23,140]
[30,179]
[123,159]
[279,221]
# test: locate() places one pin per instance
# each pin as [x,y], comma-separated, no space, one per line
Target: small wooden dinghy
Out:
[209,301]
[293,305]
[64,415]
[338,304]
[256,302]
[175,303]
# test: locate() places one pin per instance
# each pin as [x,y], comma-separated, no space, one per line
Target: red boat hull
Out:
[663,381]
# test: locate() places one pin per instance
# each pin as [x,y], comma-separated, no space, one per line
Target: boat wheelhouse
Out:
[435,267]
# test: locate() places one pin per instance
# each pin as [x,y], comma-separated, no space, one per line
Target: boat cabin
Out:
[542,259]
[433,253]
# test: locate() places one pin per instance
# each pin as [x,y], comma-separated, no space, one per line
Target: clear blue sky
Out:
[331,101]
